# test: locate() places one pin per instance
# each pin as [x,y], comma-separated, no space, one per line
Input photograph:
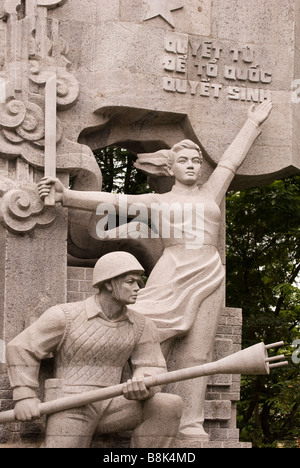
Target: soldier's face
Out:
[127,287]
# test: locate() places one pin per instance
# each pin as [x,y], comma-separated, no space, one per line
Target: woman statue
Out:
[185,292]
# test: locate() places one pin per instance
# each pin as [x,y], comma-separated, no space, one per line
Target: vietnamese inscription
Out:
[198,68]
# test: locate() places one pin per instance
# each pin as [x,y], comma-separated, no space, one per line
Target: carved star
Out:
[164,9]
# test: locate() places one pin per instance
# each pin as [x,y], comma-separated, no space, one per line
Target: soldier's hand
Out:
[135,389]
[45,186]
[27,410]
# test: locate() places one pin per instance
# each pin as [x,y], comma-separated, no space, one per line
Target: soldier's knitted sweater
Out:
[89,349]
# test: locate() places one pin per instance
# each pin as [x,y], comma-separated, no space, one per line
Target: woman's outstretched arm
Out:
[89,201]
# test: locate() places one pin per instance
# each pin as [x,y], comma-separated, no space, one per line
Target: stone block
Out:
[224,434]
[86,287]
[183,444]
[88,274]
[4,381]
[4,435]
[75,273]
[73,285]
[75,297]
[218,410]
[222,347]
[220,380]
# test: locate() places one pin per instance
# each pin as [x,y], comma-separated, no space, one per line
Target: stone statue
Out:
[184,295]
[92,341]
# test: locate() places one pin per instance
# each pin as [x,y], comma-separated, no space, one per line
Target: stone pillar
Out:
[33,278]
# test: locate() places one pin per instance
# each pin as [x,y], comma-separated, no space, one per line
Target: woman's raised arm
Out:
[235,155]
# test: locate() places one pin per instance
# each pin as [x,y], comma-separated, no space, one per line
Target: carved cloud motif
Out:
[22,209]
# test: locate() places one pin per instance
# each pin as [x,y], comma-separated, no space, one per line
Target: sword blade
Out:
[50,134]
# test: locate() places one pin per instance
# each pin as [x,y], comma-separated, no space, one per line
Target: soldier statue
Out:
[92,341]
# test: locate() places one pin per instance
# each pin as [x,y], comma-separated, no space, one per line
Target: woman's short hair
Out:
[159,164]
[185,144]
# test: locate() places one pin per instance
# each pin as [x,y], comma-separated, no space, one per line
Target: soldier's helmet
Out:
[113,265]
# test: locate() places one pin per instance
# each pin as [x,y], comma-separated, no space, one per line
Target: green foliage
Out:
[119,173]
[263,273]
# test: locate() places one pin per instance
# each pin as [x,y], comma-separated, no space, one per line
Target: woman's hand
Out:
[261,113]
[45,186]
